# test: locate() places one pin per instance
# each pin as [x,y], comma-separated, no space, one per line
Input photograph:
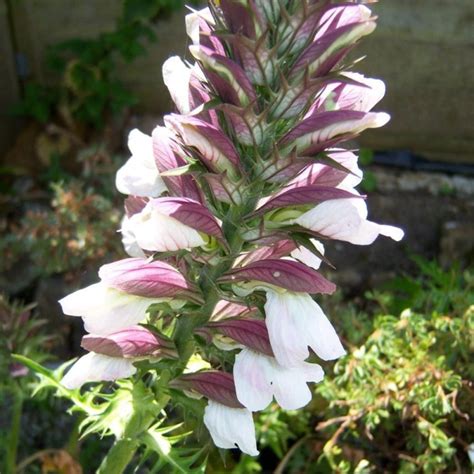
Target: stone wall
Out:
[423,49]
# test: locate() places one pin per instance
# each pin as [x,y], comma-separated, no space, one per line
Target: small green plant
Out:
[90,90]
[401,395]
[20,333]
[80,229]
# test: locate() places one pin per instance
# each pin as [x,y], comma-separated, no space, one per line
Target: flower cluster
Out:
[228,204]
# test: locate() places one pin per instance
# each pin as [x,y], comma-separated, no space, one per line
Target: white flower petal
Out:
[96,368]
[258,377]
[84,300]
[295,321]
[231,427]
[290,385]
[106,310]
[192,23]
[321,335]
[393,232]
[140,144]
[138,179]
[129,240]
[176,76]
[139,175]
[158,232]
[283,319]
[345,219]
[252,386]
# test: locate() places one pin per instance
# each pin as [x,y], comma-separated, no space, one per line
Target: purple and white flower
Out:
[126,290]
[346,219]
[111,357]
[170,224]
[228,421]
[257,374]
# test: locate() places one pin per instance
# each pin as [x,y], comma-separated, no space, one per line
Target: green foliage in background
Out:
[401,401]
[90,89]
[23,334]
[68,217]
[78,230]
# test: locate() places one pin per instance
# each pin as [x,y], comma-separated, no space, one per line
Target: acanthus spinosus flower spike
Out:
[229,203]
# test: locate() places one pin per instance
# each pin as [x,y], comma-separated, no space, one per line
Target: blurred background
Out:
[77,75]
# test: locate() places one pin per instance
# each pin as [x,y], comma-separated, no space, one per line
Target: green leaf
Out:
[181,460]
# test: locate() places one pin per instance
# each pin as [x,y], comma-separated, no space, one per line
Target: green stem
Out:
[123,450]
[118,457]
[14,435]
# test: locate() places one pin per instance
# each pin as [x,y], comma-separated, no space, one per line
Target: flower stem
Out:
[14,434]
[118,457]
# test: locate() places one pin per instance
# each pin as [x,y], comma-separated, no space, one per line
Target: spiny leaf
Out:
[181,460]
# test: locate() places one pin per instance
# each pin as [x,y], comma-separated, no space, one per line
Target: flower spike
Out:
[227,206]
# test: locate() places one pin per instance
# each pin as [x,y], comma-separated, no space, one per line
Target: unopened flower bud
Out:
[252,333]
[214,385]
[132,342]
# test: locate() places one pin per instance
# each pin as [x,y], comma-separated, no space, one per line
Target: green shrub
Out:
[400,401]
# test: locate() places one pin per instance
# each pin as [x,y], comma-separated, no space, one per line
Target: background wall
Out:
[423,49]
[9,86]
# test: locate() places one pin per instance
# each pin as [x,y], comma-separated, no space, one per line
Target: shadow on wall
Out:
[422,49]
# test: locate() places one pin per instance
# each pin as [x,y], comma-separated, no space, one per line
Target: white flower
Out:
[176,76]
[106,310]
[158,232]
[129,240]
[362,97]
[346,219]
[259,377]
[295,322]
[139,175]
[192,22]
[231,427]
[97,368]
